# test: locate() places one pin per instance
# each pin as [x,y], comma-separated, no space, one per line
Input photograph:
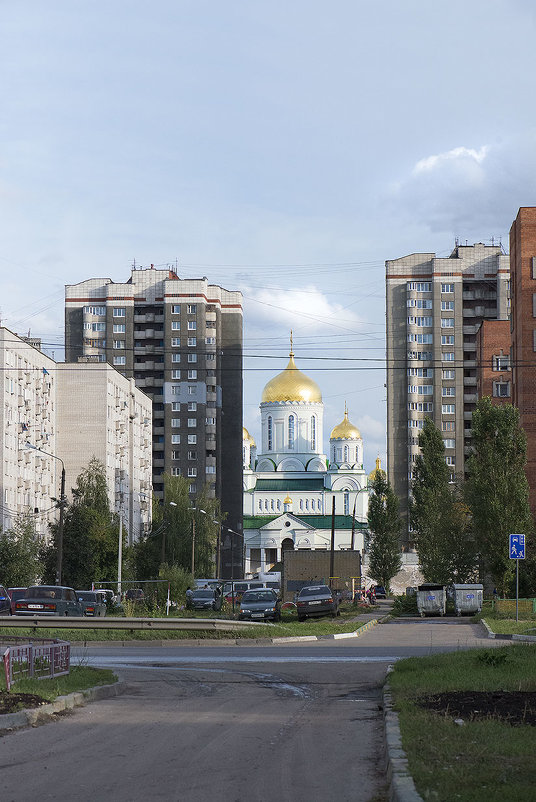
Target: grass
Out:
[79,679]
[482,761]
[502,623]
[289,626]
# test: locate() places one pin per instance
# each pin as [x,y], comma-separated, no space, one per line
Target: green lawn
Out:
[79,679]
[509,626]
[481,761]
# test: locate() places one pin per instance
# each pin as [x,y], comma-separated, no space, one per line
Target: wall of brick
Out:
[311,567]
[492,340]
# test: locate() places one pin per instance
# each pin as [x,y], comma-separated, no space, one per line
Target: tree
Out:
[439,518]
[90,533]
[385,526]
[497,490]
[20,554]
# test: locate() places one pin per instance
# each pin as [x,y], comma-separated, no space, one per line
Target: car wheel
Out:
[302,617]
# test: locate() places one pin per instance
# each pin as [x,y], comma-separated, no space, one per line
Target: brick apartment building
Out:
[494,373]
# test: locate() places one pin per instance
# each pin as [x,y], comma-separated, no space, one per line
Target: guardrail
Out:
[48,658]
[132,624]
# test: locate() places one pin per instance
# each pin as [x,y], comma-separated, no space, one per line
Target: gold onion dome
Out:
[378,470]
[292,385]
[246,436]
[287,500]
[345,430]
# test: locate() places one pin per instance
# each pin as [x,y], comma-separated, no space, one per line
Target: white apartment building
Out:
[53,417]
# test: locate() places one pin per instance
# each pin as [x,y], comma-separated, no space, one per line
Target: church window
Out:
[346,502]
[260,504]
[313,433]
[339,455]
[301,504]
[270,434]
[272,505]
[291,430]
[278,504]
[312,504]
[346,453]
[306,503]
[266,504]
[357,454]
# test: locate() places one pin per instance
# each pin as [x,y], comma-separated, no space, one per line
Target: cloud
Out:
[472,192]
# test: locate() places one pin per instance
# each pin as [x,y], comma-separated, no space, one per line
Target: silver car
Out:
[260,604]
[92,601]
[49,600]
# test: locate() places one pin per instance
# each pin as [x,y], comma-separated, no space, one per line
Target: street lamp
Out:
[62,507]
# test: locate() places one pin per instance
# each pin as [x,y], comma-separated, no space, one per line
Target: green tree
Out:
[385,527]
[439,518]
[90,533]
[497,490]
[20,563]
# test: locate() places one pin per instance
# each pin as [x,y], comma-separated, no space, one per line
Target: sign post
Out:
[517,553]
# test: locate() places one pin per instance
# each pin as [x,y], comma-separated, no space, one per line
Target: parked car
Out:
[135,595]
[316,600]
[49,600]
[5,602]
[380,592]
[263,603]
[204,599]
[15,594]
[239,589]
[92,601]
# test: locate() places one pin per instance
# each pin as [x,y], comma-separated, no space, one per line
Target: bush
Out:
[405,605]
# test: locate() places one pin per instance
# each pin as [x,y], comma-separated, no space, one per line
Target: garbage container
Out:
[431,599]
[468,598]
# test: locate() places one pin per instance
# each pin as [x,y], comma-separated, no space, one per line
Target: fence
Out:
[527,606]
[39,659]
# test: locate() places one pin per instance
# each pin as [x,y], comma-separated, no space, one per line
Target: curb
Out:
[336,636]
[496,636]
[401,785]
[38,715]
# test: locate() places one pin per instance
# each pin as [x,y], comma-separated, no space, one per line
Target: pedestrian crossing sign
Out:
[517,547]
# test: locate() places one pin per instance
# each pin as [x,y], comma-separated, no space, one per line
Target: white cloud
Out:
[460,155]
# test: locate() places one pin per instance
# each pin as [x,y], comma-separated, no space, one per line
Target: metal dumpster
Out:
[468,598]
[431,599]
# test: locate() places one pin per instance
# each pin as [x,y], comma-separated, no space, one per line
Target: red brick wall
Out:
[492,339]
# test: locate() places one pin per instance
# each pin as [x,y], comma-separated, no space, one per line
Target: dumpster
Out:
[468,598]
[431,599]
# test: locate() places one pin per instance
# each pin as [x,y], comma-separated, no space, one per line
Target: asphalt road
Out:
[296,722]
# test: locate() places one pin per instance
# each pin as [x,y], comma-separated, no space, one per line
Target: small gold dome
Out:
[345,430]
[377,470]
[292,385]
[287,500]
[246,436]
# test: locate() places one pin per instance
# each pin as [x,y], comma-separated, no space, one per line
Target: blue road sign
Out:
[517,547]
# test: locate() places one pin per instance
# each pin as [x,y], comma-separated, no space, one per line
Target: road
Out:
[296,722]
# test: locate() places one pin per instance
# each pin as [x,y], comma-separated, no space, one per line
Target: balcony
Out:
[470,398]
[469,381]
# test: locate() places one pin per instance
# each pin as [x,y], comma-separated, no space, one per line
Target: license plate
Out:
[315,602]
[257,615]
[35,607]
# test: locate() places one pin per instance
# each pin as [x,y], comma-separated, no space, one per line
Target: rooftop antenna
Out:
[291,351]
[133,264]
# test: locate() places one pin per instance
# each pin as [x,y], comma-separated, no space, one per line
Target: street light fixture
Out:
[62,507]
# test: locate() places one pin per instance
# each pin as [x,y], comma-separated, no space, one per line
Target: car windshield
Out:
[321,590]
[257,596]
[204,594]
[43,593]
[87,595]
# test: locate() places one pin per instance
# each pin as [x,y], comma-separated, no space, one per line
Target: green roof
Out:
[316,521]
[289,485]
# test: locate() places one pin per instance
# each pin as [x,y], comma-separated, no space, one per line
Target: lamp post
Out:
[59,544]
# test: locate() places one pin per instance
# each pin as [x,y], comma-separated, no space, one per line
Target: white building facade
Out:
[291,485]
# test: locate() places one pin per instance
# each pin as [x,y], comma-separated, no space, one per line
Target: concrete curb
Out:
[496,636]
[38,715]
[401,785]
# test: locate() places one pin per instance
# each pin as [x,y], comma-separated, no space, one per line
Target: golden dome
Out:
[378,469]
[287,500]
[292,385]
[345,430]
[246,436]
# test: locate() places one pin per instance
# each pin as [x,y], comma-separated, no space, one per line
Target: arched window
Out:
[291,431]
[266,504]
[357,453]
[346,453]
[272,504]
[301,504]
[270,434]
[346,502]
[312,504]
[260,504]
[306,503]
[313,433]
[278,504]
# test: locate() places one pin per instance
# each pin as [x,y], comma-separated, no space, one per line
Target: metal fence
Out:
[39,659]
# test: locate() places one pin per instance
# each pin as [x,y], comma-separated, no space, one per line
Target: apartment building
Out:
[57,416]
[181,342]
[434,309]
[523,332]
[102,414]
[494,372]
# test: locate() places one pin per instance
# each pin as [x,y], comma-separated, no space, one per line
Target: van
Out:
[240,587]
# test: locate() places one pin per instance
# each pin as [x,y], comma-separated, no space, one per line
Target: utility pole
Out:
[193,545]
[332,551]
[60,524]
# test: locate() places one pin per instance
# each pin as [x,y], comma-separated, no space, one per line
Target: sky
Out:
[286,149]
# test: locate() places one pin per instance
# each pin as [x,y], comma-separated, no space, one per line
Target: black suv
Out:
[5,602]
[316,600]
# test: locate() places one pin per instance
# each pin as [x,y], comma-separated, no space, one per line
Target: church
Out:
[290,484]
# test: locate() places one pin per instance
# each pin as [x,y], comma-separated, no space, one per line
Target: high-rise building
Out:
[434,308]
[523,329]
[181,341]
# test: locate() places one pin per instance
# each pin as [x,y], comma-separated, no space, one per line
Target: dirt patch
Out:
[517,707]
[11,702]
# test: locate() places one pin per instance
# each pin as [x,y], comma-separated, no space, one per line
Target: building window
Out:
[192,472]
[447,356]
[192,341]
[346,502]
[175,422]
[449,443]
[270,434]
[448,374]
[175,325]
[192,455]
[119,311]
[291,431]
[95,310]
[260,505]
[447,306]
[447,339]
[175,439]
[192,423]
[419,286]
[278,504]
[421,339]
[175,406]
[346,453]
[175,374]
[175,389]
[175,357]
[120,360]
[272,507]
[448,409]
[210,469]
[192,406]
[450,460]
[192,309]
[176,309]
[191,389]
[210,421]
[175,471]
[210,357]
[447,288]
[175,342]
[419,303]
[192,374]
[192,439]
[175,455]
[192,357]
[448,426]
[210,340]
[192,488]
[119,343]
[301,504]
[192,325]
[501,363]
[501,389]
[448,391]
[313,433]
[447,322]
